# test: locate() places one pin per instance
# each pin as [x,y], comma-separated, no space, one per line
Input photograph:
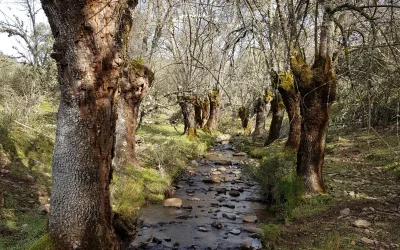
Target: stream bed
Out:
[215,206]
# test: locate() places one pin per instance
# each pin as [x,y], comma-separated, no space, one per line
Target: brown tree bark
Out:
[244,115]
[135,84]
[278,112]
[215,106]
[187,104]
[198,112]
[318,89]
[291,99]
[205,111]
[261,110]
[261,116]
[90,50]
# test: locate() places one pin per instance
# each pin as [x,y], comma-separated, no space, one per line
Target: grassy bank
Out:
[25,177]
[360,174]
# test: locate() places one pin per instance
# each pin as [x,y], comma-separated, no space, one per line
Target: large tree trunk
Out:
[244,115]
[215,106]
[90,48]
[261,110]
[318,90]
[205,111]
[135,84]
[277,118]
[187,104]
[291,99]
[198,113]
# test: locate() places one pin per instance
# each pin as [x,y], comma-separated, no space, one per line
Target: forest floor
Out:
[359,173]
[361,209]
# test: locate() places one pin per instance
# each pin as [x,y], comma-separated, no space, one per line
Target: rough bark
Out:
[187,104]
[90,48]
[278,112]
[205,111]
[291,99]
[136,82]
[215,105]
[318,89]
[261,111]
[244,115]
[198,113]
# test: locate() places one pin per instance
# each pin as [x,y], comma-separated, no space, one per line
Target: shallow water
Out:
[203,204]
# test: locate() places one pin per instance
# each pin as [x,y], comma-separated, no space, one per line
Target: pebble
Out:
[203,229]
[193,199]
[229,216]
[235,231]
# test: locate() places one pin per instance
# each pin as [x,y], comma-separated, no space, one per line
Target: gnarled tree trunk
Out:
[244,115]
[187,104]
[261,109]
[278,112]
[318,90]
[291,99]
[261,116]
[135,84]
[198,112]
[215,106]
[205,111]
[90,48]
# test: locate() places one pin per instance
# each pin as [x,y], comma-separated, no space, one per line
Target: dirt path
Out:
[215,207]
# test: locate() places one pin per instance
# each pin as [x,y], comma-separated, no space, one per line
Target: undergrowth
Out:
[163,155]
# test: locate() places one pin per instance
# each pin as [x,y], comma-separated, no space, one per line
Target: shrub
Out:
[278,180]
[270,235]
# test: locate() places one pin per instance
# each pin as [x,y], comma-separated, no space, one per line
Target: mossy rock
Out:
[44,243]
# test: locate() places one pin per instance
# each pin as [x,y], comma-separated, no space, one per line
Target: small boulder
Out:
[250,219]
[345,211]
[172,202]
[367,241]
[223,137]
[234,193]
[217,224]
[361,223]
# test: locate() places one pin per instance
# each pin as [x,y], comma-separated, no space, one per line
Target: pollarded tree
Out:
[136,82]
[291,99]
[90,48]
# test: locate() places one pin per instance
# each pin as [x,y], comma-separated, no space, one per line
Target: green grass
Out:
[163,155]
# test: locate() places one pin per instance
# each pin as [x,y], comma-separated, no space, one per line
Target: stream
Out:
[215,206]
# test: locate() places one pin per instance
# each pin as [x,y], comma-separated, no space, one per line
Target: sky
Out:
[9,8]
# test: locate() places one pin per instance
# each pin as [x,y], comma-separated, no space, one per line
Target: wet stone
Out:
[202,229]
[235,231]
[234,193]
[217,224]
[229,205]
[229,216]
[250,218]
[172,202]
